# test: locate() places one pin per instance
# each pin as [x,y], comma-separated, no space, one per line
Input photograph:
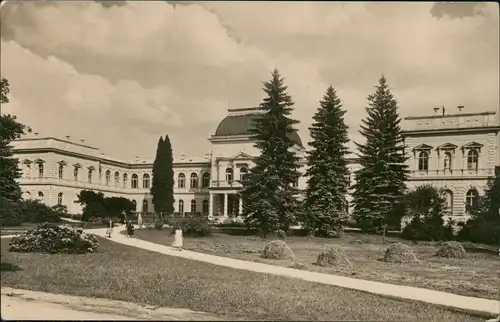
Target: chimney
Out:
[67,137]
[183,156]
[82,140]
[436,109]
[443,110]
[460,108]
[36,133]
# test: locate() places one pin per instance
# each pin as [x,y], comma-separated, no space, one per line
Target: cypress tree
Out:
[162,184]
[326,203]
[269,197]
[381,182]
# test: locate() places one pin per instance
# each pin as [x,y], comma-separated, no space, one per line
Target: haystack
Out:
[399,253]
[451,249]
[277,249]
[333,256]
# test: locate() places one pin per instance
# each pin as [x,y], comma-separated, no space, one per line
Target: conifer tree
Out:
[162,183]
[381,182]
[269,196]
[326,203]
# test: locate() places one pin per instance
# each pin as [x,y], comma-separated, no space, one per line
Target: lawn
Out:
[125,273]
[477,275]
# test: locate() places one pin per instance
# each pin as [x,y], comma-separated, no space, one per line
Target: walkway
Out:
[30,305]
[400,291]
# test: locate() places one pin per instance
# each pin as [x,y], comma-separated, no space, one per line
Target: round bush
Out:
[333,256]
[53,239]
[399,253]
[451,249]
[277,249]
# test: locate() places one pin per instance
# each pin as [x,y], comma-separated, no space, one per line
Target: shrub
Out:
[428,230]
[399,253]
[451,249]
[277,249]
[333,256]
[32,211]
[195,227]
[281,234]
[10,213]
[479,230]
[50,238]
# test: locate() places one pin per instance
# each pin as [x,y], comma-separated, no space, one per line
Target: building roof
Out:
[241,125]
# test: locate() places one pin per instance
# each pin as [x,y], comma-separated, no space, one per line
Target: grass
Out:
[125,273]
[477,275]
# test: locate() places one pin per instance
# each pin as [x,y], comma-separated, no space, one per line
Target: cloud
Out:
[140,70]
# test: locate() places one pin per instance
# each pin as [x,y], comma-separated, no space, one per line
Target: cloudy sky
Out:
[120,75]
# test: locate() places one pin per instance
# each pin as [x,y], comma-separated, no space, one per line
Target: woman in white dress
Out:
[139,220]
[177,237]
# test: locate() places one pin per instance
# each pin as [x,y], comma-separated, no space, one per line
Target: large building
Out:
[457,152]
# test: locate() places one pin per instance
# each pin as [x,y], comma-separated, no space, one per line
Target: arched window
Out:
[181,206]
[193,205]
[205,180]
[40,194]
[40,170]
[60,198]
[117,179]
[89,175]
[61,171]
[471,199]
[145,181]
[108,177]
[447,161]
[243,173]
[135,181]
[205,206]
[229,175]
[194,180]
[472,160]
[448,194]
[75,173]
[181,180]
[145,206]
[423,161]
[125,179]
[135,205]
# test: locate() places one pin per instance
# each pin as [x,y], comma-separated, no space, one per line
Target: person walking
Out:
[110,228]
[178,238]
[139,220]
[130,229]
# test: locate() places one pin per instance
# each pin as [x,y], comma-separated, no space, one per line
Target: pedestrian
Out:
[130,229]
[109,231]
[177,232]
[139,220]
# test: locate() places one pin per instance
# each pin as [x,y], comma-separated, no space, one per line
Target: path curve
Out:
[385,289]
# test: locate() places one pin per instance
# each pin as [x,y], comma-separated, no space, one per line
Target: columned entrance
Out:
[225,204]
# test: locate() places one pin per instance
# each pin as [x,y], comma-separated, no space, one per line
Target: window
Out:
[61,171]
[145,181]
[135,181]
[193,205]
[125,178]
[75,173]
[205,206]
[100,173]
[243,173]
[135,205]
[181,180]
[447,161]
[295,183]
[448,194]
[471,199]
[181,206]
[194,180]
[108,177]
[205,180]
[229,175]
[60,198]
[40,194]
[89,175]
[423,161]
[472,160]
[145,205]
[117,179]
[40,170]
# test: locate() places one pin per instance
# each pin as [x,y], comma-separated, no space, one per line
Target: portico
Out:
[225,204]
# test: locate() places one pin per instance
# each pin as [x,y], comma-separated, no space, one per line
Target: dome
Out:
[241,125]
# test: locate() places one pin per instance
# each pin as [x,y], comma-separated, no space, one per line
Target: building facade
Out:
[455,152]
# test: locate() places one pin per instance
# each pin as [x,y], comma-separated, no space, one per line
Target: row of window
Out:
[194,206]
[472,161]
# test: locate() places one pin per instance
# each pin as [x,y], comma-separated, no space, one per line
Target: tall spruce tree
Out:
[162,184]
[269,196]
[10,130]
[380,183]
[326,203]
